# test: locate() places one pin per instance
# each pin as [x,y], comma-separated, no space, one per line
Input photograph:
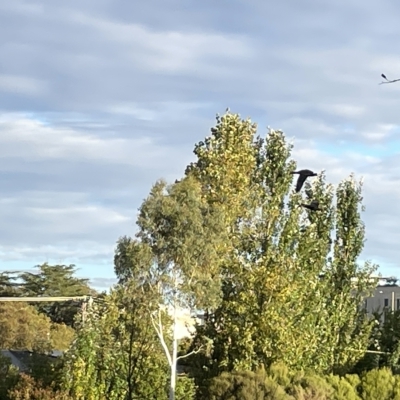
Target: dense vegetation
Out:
[281,289]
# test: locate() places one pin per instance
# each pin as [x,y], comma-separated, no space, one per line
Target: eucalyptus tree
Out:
[176,253]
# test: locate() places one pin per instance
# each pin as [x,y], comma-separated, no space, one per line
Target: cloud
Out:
[33,141]
[102,283]
[100,99]
[167,51]
[21,84]
[69,195]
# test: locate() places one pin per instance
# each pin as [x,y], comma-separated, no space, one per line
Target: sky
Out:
[100,98]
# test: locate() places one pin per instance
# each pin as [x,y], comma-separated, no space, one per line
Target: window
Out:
[386,303]
[398,304]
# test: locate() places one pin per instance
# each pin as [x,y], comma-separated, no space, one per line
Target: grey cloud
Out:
[110,95]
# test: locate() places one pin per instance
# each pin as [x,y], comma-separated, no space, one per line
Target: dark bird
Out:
[388,80]
[303,175]
[313,206]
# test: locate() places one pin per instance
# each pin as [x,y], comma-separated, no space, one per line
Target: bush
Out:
[246,385]
[9,376]
[377,384]
[313,387]
[343,389]
[185,388]
[29,389]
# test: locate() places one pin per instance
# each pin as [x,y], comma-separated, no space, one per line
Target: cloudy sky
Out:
[100,98]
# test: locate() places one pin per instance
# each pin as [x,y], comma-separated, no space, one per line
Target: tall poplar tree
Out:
[276,305]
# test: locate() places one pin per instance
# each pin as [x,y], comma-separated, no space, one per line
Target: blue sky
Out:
[100,98]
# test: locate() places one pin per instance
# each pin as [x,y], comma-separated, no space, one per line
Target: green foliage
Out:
[278,382]
[116,354]
[184,236]
[22,327]
[56,281]
[343,389]
[177,253]
[246,386]
[185,388]
[384,338]
[9,376]
[281,286]
[275,255]
[377,384]
[8,287]
[29,389]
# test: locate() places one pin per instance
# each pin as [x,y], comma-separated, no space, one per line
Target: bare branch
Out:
[370,351]
[191,353]
[392,81]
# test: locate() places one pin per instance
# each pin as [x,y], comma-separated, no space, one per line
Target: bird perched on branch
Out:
[303,175]
[313,206]
[388,80]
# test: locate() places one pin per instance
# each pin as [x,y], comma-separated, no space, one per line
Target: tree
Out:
[23,328]
[116,354]
[176,252]
[29,389]
[8,287]
[276,253]
[384,348]
[9,376]
[56,281]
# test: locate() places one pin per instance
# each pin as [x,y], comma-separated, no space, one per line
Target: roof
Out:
[14,357]
[22,358]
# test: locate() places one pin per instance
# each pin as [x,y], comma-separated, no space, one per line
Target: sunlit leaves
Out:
[276,305]
[116,354]
[185,237]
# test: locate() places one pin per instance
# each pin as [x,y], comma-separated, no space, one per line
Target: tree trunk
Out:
[174,355]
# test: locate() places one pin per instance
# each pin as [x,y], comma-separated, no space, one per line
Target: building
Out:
[385,297]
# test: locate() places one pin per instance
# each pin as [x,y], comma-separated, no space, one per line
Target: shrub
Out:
[343,389]
[29,389]
[246,385]
[377,384]
[185,388]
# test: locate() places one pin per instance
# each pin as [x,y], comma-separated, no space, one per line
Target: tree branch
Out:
[160,335]
[394,80]
[190,354]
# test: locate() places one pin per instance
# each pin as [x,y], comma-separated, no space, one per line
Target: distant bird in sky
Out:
[313,206]
[388,80]
[303,175]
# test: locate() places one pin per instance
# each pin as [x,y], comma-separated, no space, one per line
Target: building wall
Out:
[384,297]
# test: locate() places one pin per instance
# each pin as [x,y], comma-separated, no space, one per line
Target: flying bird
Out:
[303,175]
[384,77]
[313,206]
